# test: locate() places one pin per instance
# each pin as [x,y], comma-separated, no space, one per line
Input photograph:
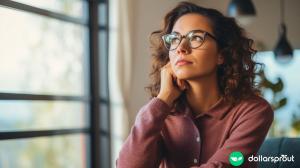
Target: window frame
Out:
[93,99]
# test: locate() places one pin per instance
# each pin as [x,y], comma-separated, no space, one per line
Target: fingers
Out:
[167,70]
[168,65]
[182,84]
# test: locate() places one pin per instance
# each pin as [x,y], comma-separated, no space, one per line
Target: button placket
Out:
[197,140]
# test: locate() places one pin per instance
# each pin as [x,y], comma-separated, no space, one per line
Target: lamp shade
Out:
[283,51]
[241,8]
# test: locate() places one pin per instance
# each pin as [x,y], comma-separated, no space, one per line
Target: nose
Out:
[183,47]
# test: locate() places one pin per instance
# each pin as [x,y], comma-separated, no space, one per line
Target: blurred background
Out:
[73,72]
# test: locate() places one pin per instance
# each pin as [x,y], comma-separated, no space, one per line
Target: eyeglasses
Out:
[195,39]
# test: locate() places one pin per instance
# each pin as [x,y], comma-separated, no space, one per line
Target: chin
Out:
[184,75]
[187,76]
[195,73]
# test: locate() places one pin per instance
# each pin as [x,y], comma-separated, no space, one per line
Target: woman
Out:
[205,104]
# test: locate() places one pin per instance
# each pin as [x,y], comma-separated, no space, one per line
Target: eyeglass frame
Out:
[205,33]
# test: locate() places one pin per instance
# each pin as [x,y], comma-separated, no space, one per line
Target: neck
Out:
[202,94]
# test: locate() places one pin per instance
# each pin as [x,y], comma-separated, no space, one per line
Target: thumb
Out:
[181,84]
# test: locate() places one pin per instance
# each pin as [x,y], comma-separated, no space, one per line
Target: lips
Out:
[181,62]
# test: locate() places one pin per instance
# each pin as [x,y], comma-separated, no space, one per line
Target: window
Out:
[287,118]
[54,103]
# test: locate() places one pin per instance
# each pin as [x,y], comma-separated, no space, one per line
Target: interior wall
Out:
[147,16]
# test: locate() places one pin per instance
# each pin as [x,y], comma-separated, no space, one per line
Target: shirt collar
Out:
[218,110]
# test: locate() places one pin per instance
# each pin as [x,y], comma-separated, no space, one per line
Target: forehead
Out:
[192,21]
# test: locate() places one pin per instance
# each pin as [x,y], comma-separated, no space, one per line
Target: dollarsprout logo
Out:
[236,158]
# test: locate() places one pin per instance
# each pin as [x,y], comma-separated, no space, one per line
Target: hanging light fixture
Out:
[283,50]
[242,10]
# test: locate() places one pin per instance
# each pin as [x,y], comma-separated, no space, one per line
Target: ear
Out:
[220,59]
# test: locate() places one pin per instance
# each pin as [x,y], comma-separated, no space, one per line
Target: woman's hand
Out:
[170,86]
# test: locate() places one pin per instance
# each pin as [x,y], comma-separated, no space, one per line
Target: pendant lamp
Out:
[243,10]
[283,51]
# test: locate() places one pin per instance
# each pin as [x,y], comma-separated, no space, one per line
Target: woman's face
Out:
[188,63]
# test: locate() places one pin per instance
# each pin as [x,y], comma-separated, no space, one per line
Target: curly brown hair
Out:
[235,76]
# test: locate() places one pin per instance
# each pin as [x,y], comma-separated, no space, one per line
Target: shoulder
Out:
[252,113]
[255,101]
[253,106]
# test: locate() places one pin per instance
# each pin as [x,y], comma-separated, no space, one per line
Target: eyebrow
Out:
[199,30]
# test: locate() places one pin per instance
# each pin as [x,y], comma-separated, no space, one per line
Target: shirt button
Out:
[198,139]
[195,161]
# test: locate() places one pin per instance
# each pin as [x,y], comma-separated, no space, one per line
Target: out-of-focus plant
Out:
[296,122]
[278,100]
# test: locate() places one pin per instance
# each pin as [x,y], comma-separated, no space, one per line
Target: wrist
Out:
[165,99]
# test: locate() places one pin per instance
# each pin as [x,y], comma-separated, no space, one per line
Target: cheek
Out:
[206,60]
[172,57]
[205,63]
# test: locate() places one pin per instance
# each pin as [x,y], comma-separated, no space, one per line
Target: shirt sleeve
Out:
[143,146]
[247,135]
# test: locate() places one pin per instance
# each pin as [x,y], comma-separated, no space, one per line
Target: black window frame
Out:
[95,81]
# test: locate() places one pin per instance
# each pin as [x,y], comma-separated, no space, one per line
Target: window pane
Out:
[104,117]
[102,14]
[75,8]
[104,151]
[287,118]
[46,152]
[103,64]
[41,115]
[41,55]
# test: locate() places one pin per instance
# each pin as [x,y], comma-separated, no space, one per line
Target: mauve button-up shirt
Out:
[160,138]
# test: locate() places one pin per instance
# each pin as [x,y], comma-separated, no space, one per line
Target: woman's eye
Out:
[175,41]
[197,38]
